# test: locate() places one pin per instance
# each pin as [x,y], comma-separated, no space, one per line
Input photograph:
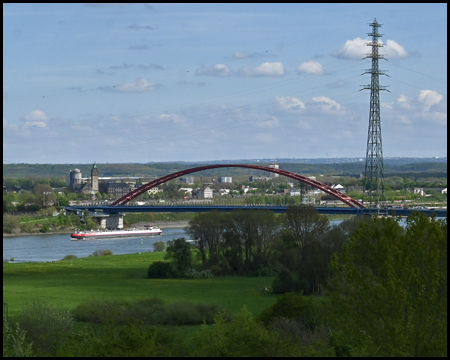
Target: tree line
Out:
[295,247]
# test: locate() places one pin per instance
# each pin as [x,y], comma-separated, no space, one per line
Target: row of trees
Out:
[296,247]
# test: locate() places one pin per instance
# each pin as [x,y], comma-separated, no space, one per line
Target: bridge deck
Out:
[277,209]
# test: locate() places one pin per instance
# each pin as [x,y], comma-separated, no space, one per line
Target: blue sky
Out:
[198,82]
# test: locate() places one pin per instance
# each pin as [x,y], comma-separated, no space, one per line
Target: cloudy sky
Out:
[199,82]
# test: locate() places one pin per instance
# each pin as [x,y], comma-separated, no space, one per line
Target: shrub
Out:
[195,274]
[68,257]
[160,270]
[287,281]
[159,246]
[148,311]
[10,223]
[102,252]
[100,311]
[185,313]
[45,325]
[14,341]
[293,306]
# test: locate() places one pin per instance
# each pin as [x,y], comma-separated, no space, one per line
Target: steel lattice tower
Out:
[374,170]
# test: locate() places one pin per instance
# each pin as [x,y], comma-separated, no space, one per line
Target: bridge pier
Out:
[111,221]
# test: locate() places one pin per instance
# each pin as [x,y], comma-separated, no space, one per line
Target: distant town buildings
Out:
[225,179]
[204,193]
[117,190]
[187,180]
[75,180]
[154,191]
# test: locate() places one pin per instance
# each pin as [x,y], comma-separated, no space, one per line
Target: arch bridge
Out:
[316,184]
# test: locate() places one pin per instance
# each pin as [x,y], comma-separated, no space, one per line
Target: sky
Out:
[139,83]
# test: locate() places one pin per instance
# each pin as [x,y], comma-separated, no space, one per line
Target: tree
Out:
[62,200]
[179,253]
[389,289]
[44,195]
[88,222]
[301,261]
[159,246]
[207,229]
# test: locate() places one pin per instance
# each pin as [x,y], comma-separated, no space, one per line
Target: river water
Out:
[52,247]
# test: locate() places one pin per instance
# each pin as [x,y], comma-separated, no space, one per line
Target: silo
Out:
[76,178]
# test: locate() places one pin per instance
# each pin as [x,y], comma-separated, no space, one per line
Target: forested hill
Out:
[159,169]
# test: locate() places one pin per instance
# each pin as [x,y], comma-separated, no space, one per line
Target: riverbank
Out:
[161,224]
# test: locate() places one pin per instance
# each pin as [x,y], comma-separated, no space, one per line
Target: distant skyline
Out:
[137,83]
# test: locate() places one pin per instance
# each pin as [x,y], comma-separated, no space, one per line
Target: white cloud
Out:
[325,103]
[216,70]
[36,118]
[393,50]
[428,105]
[352,49]
[429,98]
[289,103]
[265,69]
[310,67]
[358,49]
[139,86]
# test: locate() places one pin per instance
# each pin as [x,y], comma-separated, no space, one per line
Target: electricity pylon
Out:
[374,170]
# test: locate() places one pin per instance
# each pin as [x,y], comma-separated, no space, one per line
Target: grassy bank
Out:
[29,225]
[69,283]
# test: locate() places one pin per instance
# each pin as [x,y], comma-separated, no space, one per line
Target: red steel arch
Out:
[317,184]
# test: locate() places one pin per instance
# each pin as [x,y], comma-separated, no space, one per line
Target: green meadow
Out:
[68,283]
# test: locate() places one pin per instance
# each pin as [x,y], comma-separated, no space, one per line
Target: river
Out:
[52,247]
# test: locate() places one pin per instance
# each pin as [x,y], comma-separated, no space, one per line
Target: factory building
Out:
[73,179]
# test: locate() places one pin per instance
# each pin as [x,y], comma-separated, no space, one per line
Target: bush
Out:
[293,306]
[102,252]
[10,223]
[160,270]
[149,311]
[287,281]
[14,341]
[46,326]
[195,274]
[100,311]
[159,246]
[68,257]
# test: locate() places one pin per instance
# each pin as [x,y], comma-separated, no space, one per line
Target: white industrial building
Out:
[225,179]
[205,193]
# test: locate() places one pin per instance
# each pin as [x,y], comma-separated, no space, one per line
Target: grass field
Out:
[69,283]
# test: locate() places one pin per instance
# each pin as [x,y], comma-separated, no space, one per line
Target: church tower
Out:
[94,178]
